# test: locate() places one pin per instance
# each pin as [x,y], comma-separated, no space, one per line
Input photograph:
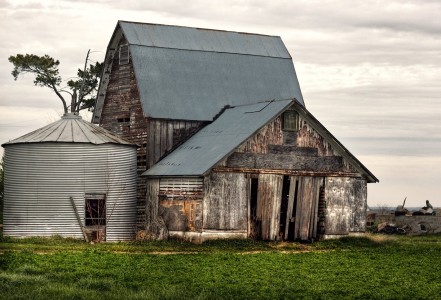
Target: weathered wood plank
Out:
[269,134]
[289,137]
[346,205]
[287,162]
[298,208]
[269,202]
[307,191]
[225,201]
[314,217]
[286,172]
[289,213]
[152,192]
[292,150]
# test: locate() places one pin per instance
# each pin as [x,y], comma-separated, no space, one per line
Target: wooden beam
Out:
[285,161]
[77,215]
[287,172]
[292,150]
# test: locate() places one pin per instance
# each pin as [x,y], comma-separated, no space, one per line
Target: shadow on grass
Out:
[370,241]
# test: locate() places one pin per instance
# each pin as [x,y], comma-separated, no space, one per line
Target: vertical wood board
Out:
[226,201]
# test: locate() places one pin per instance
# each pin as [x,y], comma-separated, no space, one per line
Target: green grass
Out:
[374,267]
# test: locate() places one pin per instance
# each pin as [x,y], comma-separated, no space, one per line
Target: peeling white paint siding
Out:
[346,205]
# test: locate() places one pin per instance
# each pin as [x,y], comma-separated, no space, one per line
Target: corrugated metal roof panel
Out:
[218,139]
[193,85]
[197,39]
[70,129]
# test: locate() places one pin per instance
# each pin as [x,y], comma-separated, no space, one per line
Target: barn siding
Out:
[268,205]
[164,135]
[180,203]
[307,207]
[270,134]
[152,188]
[309,137]
[345,205]
[226,201]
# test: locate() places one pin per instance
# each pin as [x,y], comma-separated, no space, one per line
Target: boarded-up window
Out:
[290,120]
[180,188]
[95,209]
[124,56]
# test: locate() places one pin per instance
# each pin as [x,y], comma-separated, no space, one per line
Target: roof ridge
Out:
[198,28]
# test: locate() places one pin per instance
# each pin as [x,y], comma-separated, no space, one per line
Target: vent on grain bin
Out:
[52,173]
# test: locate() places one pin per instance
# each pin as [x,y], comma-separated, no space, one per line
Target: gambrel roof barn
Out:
[191,74]
[226,145]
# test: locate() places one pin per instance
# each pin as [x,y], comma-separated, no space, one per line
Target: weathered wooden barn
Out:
[226,145]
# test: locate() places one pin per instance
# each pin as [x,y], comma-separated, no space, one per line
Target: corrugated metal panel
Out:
[70,129]
[218,139]
[198,39]
[193,85]
[41,177]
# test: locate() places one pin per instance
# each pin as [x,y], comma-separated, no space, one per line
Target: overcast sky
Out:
[370,71]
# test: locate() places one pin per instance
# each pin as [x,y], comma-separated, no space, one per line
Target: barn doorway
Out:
[255,223]
[288,208]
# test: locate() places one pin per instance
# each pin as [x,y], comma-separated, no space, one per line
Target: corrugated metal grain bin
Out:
[70,178]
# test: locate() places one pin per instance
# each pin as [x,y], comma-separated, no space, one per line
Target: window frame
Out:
[293,124]
[124,54]
[92,216]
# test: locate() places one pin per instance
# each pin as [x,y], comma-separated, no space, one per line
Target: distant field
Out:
[374,267]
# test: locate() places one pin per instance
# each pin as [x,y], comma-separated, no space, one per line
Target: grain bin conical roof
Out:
[70,129]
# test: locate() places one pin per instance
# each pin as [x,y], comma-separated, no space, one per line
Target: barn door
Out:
[265,208]
[305,207]
[287,208]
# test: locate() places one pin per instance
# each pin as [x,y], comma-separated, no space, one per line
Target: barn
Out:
[226,146]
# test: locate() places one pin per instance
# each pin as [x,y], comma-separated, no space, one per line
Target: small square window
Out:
[290,120]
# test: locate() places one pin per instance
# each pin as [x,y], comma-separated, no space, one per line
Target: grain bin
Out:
[70,178]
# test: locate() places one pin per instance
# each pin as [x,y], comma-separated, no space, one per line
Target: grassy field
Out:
[374,267]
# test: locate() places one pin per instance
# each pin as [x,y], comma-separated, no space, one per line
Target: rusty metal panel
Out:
[180,203]
[345,205]
[181,215]
[226,201]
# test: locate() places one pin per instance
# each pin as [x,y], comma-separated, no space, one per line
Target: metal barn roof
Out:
[193,85]
[191,73]
[217,140]
[70,129]
[198,39]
